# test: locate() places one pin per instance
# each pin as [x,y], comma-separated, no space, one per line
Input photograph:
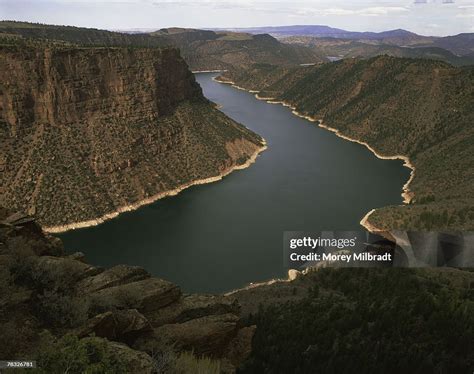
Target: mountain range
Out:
[461,44]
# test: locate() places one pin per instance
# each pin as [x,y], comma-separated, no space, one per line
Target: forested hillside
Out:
[417,108]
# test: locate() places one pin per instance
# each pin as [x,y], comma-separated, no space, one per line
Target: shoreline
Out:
[207,71]
[149,200]
[406,194]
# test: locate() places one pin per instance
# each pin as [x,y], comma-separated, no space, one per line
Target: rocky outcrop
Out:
[135,314]
[146,295]
[116,325]
[116,276]
[191,307]
[207,335]
[87,133]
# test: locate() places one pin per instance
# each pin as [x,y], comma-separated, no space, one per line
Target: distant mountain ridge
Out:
[326,31]
[461,44]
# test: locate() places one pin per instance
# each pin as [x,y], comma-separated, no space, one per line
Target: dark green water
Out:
[224,235]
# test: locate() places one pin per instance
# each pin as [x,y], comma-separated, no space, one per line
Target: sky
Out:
[426,17]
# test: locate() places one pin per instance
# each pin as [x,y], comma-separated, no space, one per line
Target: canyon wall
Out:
[87,132]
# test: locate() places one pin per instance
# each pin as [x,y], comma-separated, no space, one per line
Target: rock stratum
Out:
[417,110]
[143,323]
[87,133]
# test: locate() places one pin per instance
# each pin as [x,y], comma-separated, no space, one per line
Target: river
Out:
[224,235]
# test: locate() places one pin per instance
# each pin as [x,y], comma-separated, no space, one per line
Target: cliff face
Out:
[416,108]
[89,131]
[142,323]
[66,86]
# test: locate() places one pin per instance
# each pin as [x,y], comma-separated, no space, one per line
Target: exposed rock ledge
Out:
[133,312]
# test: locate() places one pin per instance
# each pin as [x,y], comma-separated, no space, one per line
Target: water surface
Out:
[224,235]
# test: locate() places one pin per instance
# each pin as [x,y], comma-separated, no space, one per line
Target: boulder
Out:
[240,346]
[116,276]
[78,256]
[28,239]
[76,269]
[122,325]
[146,295]
[135,362]
[191,307]
[208,335]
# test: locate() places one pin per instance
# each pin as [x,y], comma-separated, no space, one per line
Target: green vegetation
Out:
[187,363]
[413,107]
[72,355]
[369,320]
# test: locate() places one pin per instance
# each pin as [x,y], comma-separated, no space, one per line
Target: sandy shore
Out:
[152,199]
[407,195]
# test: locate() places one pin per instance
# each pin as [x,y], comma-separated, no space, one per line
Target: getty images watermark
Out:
[303,250]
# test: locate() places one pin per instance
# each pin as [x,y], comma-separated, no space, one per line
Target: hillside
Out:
[362,321]
[89,132]
[201,49]
[461,44]
[418,108]
[343,48]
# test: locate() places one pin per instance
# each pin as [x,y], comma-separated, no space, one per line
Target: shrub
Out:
[71,355]
[187,363]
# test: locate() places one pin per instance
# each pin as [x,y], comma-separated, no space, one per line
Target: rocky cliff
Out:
[144,323]
[407,108]
[89,132]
